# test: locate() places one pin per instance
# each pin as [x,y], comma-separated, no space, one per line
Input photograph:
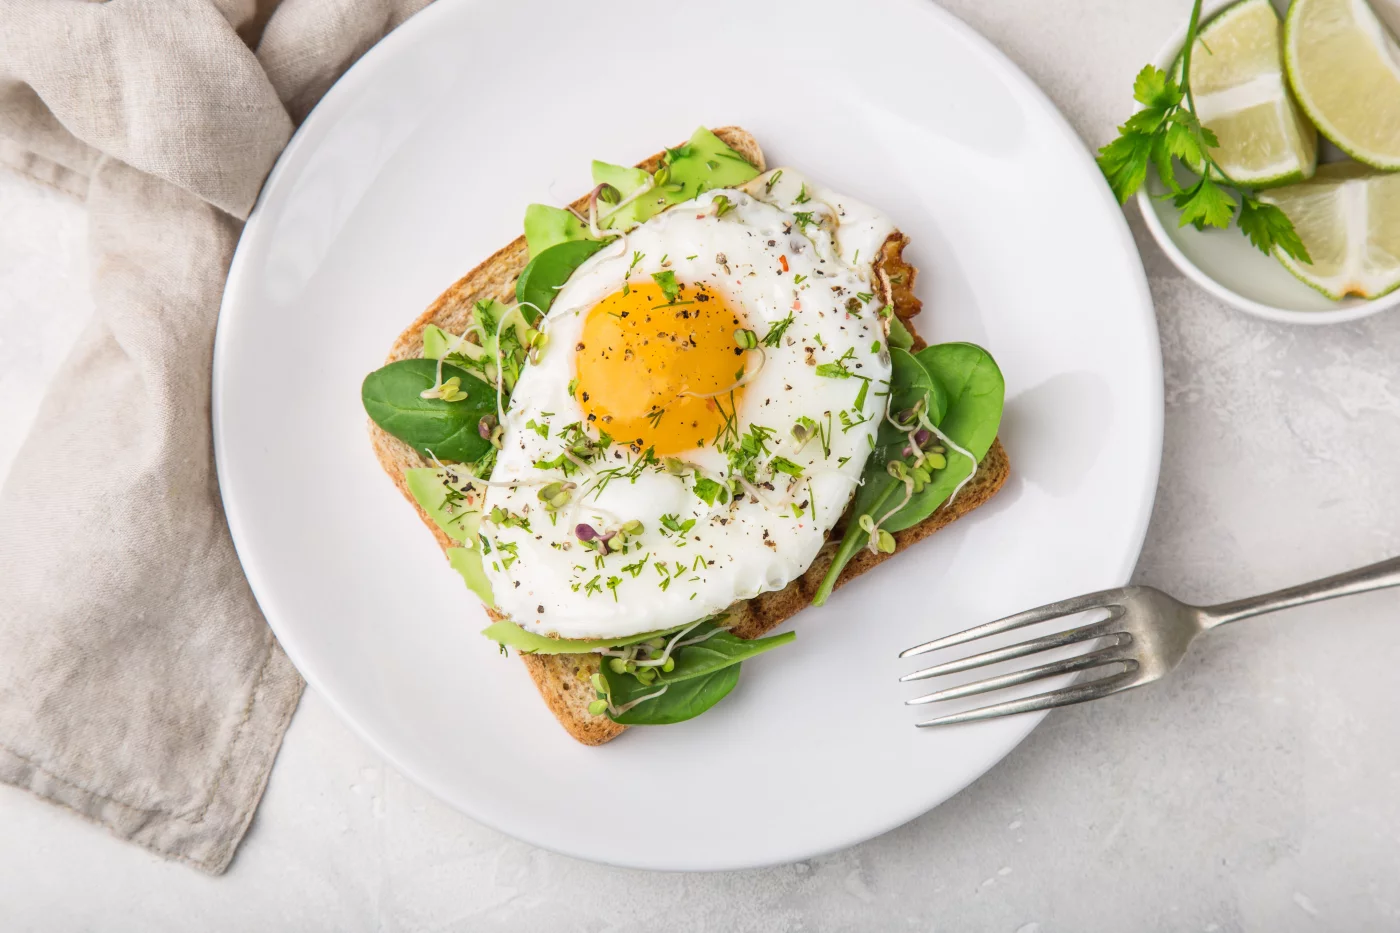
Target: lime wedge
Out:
[1348,216]
[1344,65]
[1240,93]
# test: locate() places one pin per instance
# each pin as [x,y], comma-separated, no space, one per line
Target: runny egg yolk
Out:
[659,373]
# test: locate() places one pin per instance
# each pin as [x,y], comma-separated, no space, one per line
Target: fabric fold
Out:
[139,683]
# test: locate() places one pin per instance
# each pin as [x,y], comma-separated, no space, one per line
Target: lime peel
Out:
[1344,68]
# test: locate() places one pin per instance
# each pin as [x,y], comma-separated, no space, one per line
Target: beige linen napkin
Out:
[139,684]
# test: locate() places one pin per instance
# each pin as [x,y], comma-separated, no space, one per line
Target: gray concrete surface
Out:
[1253,791]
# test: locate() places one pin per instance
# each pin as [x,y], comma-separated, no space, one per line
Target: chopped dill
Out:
[776,331]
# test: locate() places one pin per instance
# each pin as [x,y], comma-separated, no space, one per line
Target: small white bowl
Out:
[1227,265]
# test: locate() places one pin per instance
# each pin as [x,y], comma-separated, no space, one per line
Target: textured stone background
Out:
[1253,791]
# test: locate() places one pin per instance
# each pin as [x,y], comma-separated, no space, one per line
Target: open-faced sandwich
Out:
[672,415]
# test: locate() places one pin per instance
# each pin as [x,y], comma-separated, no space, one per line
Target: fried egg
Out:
[699,417]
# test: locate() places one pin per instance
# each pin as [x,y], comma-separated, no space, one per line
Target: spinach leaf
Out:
[719,650]
[513,636]
[910,383]
[976,392]
[393,397]
[681,701]
[704,673]
[541,280]
[964,391]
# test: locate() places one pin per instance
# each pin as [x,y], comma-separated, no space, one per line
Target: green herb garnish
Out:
[776,331]
[1166,131]
[669,286]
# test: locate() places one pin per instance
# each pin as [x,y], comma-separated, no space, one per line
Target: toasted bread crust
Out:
[564,679]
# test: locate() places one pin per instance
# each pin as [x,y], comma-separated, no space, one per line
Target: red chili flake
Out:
[782,261]
[797,304]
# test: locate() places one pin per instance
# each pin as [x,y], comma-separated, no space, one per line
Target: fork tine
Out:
[1080,693]
[1082,662]
[1099,600]
[1018,650]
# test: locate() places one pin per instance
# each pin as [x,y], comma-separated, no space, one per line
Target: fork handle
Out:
[1362,580]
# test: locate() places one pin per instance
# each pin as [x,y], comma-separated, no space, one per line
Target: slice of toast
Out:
[564,679]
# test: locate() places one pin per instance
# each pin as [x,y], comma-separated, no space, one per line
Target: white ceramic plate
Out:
[420,162]
[1226,264]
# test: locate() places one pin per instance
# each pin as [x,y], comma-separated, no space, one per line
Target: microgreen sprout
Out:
[489,428]
[449,391]
[803,430]
[536,341]
[556,495]
[593,197]
[881,541]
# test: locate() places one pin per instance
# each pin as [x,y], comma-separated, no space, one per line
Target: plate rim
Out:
[348,83]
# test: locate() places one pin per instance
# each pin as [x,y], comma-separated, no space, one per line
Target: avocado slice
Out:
[702,164]
[436,343]
[899,335]
[426,486]
[625,180]
[706,163]
[513,636]
[467,562]
[546,226]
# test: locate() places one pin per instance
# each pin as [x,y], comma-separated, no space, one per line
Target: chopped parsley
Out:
[837,369]
[673,524]
[669,286]
[786,466]
[708,490]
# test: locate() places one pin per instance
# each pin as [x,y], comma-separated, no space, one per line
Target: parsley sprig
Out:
[1165,131]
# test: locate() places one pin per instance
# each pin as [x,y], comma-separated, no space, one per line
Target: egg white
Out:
[544,578]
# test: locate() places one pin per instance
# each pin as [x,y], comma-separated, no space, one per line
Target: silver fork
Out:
[1145,634]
